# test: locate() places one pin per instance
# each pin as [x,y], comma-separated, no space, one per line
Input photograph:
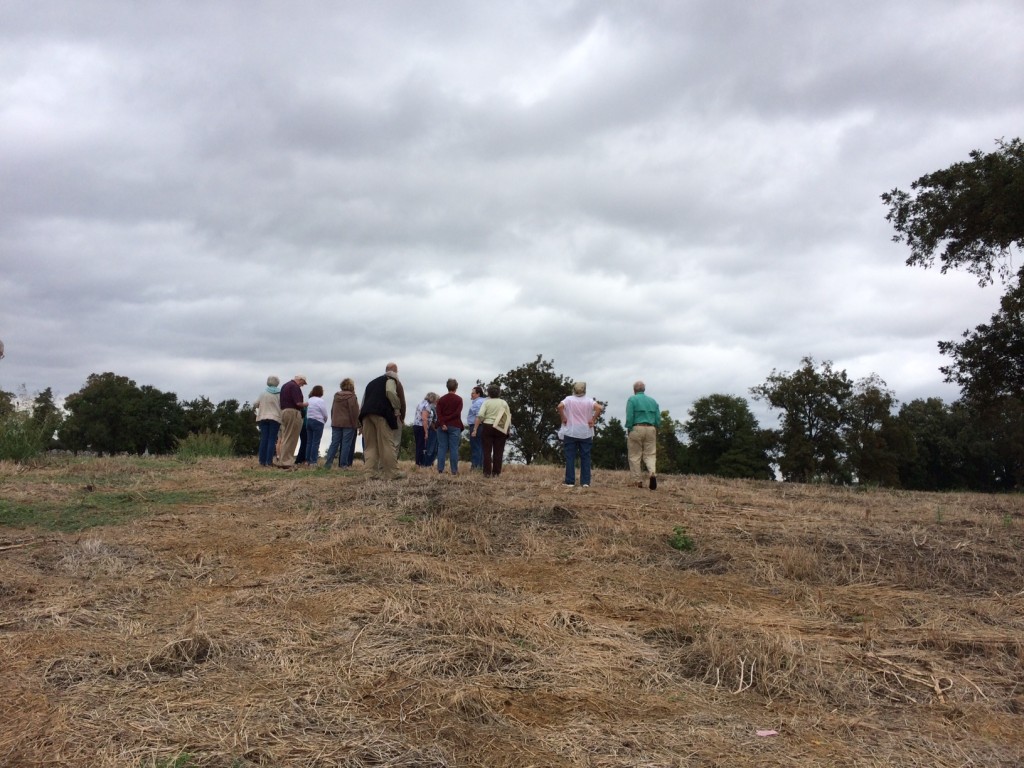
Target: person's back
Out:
[381,419]
[579,415]
[375,401]
[643,417]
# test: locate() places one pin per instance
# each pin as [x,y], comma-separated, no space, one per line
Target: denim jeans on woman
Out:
[426,446]
[476,450]
[314,431]
[576,446]
[268,440]
[448,442]
[343,445]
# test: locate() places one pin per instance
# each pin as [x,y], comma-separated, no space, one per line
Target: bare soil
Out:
[248,617]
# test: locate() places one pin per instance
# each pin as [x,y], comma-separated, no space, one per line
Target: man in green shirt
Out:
[643,417]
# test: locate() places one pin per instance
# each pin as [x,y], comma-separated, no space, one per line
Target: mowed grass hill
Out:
[161,613]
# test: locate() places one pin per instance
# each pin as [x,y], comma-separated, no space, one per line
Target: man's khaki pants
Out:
[642,443]
[291,425]
[378,445]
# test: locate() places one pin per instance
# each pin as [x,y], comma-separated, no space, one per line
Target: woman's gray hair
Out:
[431,397]
[273,381]
[579,388]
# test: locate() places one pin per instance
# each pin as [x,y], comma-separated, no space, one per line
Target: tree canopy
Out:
[813,401]
[968,216]
[725,439]
[609,451]
[112,414]
[874,439]
[533,391]
[989,363]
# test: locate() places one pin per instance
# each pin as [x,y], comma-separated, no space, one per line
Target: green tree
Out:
[44,408]
[156,421]
[111,414]
[988,364]
[813,402]
[97,417]
[533,392]
[7,403]
[46,415]
[968,215]
[239,423]
[609,450]
[724,439]
[673,455]
[199,416]
[407,443]
[875,442]
[933,461]
[990,444]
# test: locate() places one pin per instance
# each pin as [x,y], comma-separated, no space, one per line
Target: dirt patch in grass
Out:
[228,616]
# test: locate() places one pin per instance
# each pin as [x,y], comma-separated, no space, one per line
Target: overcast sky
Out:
[197,195]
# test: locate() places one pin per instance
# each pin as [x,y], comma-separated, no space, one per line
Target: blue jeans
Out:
[268,441]
[426,446]
[476,450]
[348,446]
[574,446]
[343,445]
[314,431]
[448,442]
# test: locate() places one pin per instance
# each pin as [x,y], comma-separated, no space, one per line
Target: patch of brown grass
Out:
[312,618]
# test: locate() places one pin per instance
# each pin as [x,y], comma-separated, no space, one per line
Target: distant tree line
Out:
[112,414]
[831,429]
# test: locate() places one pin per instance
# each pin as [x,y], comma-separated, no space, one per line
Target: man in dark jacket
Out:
[382,417]
[291,419]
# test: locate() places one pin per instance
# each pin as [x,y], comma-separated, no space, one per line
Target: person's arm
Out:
[391,391]
[630,416]
[480,417]
[597,414]
[561,413]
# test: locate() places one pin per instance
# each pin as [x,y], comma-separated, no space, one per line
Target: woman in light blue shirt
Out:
[476,446]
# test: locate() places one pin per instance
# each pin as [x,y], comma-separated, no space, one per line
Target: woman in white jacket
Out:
[268,419]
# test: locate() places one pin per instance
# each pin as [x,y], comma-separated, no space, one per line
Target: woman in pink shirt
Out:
[579,414]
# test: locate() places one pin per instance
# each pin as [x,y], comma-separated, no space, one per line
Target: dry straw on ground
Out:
[331,619]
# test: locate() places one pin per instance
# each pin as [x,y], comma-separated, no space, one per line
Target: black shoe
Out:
[653,483]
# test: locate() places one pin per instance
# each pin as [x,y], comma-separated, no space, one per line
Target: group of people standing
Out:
[283,417]
[285,420]
[438,427]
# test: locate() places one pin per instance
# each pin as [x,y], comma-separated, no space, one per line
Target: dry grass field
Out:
[217,614]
